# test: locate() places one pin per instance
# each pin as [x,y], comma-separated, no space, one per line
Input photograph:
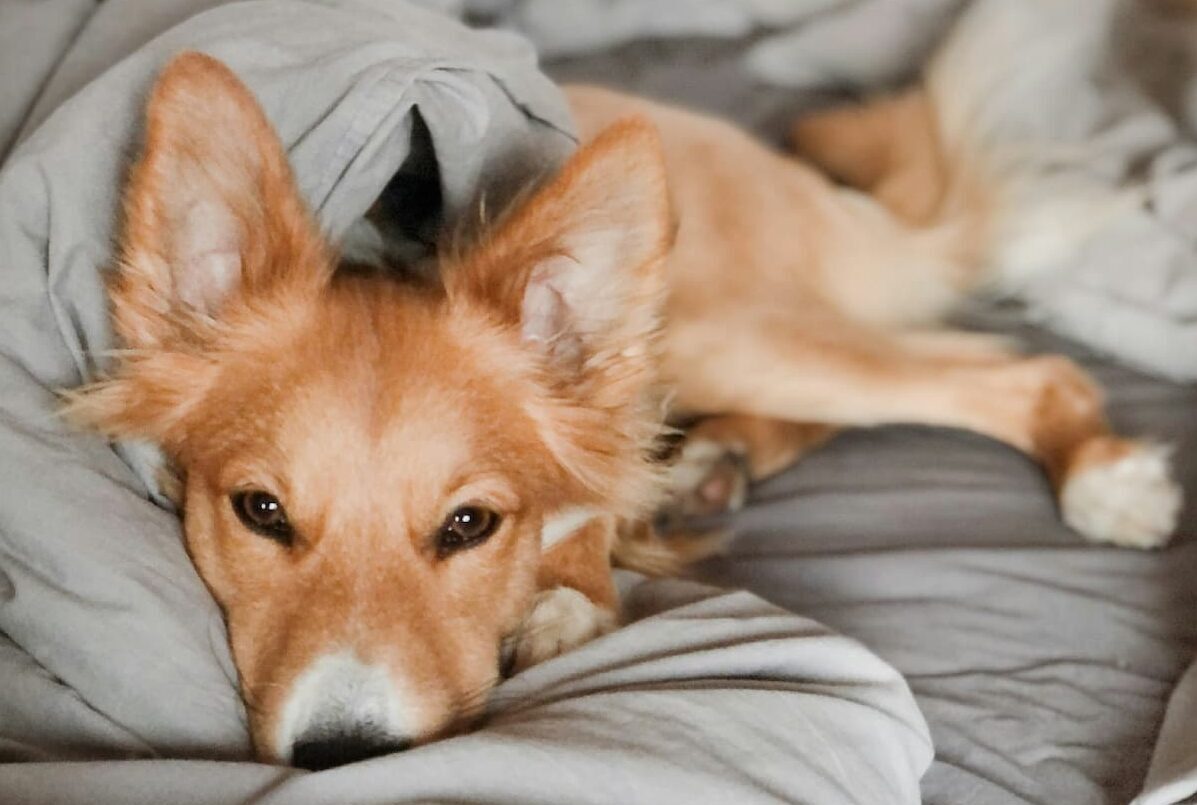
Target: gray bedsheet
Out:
[705,698]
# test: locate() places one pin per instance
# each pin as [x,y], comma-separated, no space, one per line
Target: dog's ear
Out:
[578,265]
[212,217]
[211,209]
[577,273]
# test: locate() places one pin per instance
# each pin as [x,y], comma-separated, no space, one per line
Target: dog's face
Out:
[368,464]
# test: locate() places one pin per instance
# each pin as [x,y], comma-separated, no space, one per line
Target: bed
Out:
[891,562]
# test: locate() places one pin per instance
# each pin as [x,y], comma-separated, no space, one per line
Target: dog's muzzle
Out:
[341,710]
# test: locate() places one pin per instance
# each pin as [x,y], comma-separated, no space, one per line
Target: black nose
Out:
[326,751]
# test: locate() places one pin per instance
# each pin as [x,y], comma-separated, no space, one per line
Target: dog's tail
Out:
[987,164]
[1015,98]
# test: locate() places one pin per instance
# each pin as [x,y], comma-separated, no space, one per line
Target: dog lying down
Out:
[396,487]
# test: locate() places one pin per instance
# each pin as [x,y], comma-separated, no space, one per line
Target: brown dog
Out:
[384,483]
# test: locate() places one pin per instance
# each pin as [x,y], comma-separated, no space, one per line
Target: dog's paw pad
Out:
[1130,500]
[706,479]
[561,619]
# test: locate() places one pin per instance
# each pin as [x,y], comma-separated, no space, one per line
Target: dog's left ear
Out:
[211,209]
[577,273]
[579,265]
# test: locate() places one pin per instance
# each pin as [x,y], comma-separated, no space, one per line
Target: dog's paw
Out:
[706,478]
[561,619]
[1128,499]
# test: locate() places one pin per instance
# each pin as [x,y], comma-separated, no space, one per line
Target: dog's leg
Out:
[577,601]
[1110,489]
[888,147]
[721,455]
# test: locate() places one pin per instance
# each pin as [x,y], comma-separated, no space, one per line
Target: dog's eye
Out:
[466,527]
[261,512]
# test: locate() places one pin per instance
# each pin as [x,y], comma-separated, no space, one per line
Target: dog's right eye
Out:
[466,527]
[262,513]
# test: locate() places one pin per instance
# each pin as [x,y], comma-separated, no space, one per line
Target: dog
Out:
[394,487]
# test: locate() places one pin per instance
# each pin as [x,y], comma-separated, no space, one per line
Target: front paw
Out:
[560,619]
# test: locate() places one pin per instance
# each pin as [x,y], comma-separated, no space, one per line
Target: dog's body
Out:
[386,481]
[795,307]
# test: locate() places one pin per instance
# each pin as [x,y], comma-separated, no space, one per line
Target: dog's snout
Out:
[327,751]
[341,709]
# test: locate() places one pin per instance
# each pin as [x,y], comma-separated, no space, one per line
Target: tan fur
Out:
[795,301]
[372,407]
[531,378]
[641,548]
[888,147]
[583,563]
[768,445]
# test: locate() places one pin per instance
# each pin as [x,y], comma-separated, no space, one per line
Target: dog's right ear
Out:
[213,221]
[211,209]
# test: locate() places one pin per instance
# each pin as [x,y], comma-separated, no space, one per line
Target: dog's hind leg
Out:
[721,455]
[1109,488]
[888,147]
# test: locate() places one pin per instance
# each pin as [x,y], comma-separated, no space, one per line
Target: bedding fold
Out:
[706,697]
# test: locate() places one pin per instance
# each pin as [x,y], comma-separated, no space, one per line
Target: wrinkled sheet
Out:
[1172,776]
[707,697]
[112,652]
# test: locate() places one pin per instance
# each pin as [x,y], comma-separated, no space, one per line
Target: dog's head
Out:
[368,463]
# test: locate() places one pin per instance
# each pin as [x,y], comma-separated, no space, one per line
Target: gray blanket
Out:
[111,647]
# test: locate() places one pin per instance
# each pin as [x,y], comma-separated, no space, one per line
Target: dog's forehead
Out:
[379,396]
[355,426]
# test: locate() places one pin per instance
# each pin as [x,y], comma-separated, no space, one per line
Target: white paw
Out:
[707,478]
[561,619]
[1131,501]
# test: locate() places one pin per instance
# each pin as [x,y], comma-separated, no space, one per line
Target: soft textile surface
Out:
[1120,135]
[707,698]
[564,27]
[33,35]
[1173,773]
[110,646]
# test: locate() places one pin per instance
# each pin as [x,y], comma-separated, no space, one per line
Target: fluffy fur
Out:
[528,375]
[524,381]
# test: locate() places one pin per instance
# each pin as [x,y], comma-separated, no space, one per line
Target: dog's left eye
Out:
[262,512]
[466,527]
